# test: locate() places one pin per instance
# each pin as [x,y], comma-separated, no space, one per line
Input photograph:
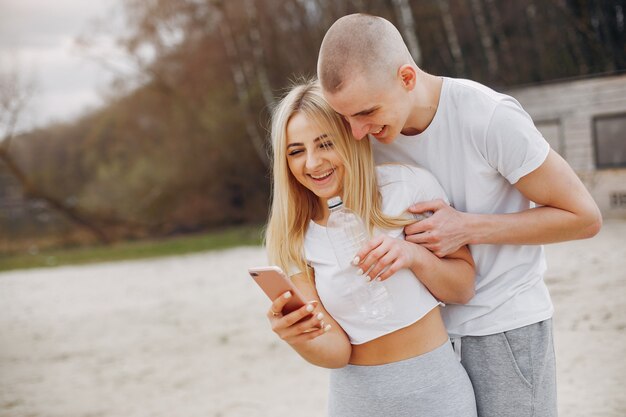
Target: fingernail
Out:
[359,271]
[368,278]
[320,316]
[356,260]
[327,328]
[309,308]
[378,279]
[287,295]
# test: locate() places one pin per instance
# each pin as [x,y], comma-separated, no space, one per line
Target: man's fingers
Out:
[417,227]
[425,206]
[424,238]
[430,246]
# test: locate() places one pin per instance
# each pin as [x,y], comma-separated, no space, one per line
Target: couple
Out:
[495,188]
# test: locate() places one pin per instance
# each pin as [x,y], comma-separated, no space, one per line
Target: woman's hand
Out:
[383,256]
[296,327]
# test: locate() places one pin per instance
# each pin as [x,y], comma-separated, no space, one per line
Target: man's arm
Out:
[567,212]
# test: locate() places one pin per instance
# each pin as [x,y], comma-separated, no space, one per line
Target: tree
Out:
[14,96]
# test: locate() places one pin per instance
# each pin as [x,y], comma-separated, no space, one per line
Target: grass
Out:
[228,238]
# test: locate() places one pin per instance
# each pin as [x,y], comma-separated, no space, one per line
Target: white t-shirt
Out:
[399,186]
[477,146]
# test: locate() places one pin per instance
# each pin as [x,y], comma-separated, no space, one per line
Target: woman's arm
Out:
[320,340]
[449,279]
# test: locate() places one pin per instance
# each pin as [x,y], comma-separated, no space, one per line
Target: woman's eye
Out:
[295,152]
[326,145]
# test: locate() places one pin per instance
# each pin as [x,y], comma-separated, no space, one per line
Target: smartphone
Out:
[275,283]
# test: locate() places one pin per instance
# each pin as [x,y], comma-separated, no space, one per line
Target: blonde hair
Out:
[294,205]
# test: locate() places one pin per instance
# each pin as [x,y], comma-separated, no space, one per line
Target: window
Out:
[610,140]
[551,131]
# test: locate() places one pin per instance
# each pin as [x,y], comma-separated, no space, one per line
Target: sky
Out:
[38,38]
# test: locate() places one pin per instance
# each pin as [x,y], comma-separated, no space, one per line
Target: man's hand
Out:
[442,233]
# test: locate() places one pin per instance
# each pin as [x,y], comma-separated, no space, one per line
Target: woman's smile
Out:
[312,158]
[322,178]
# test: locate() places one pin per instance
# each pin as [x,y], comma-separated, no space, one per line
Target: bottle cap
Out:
[334,202]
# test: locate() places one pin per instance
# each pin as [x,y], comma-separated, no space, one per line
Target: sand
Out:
[187,336]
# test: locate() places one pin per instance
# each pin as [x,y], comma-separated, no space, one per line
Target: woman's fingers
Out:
[300,321]
[308,329]
[375,261]
[295,316]
[383,264]
[278,304]
[364,252]
[389,257]
[306,337]
[392,269]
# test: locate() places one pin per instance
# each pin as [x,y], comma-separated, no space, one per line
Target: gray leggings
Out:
[431,385]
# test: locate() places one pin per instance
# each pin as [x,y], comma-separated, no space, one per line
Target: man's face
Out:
[379,109]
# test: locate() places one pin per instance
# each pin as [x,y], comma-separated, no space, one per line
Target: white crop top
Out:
[400,186]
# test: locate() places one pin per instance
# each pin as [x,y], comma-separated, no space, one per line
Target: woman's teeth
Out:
[320,177]
[378,131]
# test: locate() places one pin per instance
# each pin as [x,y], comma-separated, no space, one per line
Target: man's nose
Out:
[359,130]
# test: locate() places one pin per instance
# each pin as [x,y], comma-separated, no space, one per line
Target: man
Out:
[509,193]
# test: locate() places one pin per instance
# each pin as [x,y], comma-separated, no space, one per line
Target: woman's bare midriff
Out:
[423,336]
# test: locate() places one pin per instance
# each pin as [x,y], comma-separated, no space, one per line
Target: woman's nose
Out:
[313,160]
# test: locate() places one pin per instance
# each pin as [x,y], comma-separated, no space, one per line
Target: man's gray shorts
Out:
[513,373]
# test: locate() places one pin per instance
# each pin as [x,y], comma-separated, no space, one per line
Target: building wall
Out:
[564,113]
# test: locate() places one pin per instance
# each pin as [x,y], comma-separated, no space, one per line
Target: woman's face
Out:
[312,158]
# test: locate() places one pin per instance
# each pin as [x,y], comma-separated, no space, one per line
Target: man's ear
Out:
[408,76]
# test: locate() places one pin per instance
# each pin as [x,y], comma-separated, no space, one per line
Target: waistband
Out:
[406,375]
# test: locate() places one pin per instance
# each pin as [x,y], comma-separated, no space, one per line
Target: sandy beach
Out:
[187,336]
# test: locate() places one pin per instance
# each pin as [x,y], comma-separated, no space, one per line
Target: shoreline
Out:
[187,336]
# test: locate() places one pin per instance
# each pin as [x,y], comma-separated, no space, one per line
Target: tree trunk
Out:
[503,42]
[237,71]
[407,25]
[452,38]
[533,29]
[257,53]
[485,37]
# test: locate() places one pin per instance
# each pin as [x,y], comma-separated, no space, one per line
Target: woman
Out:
[402,364]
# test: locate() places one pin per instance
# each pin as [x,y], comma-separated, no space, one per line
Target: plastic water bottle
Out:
[347,234]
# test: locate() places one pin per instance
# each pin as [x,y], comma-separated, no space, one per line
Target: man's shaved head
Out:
[361,45]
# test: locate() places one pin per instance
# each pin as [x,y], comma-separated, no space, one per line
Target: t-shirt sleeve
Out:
[422,186]
[513,144]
